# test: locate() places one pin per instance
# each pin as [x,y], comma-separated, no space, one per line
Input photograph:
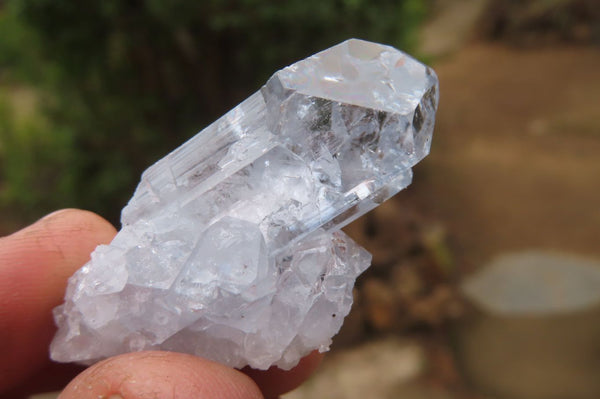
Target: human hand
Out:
[35,264]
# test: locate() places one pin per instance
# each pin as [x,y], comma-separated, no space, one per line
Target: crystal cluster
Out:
[230,248]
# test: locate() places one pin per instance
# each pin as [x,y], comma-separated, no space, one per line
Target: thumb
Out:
[165,375]
[35,264]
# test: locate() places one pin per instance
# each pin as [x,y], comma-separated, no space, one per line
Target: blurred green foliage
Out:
[120,83]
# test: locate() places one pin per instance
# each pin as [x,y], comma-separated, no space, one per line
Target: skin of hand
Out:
[35,264]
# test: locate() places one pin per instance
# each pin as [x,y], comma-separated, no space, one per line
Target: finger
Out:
[35,264]
[164,375]
[275,382]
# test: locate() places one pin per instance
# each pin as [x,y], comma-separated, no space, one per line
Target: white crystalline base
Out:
[230,246]
[290,314]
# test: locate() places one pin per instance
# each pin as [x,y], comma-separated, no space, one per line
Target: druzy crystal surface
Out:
[230,247]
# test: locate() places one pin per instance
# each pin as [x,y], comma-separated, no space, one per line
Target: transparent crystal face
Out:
[361,73]
[230,246]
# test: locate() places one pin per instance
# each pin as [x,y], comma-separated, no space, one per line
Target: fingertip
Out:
[52,249]
[162,375]
[73,222]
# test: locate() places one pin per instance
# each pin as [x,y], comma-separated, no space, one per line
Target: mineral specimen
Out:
[230,248]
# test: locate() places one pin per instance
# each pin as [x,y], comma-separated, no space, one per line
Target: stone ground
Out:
[382,369]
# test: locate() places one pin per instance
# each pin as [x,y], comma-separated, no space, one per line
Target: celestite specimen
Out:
[230,248]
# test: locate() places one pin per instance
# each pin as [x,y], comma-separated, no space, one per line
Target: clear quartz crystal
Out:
[230,247]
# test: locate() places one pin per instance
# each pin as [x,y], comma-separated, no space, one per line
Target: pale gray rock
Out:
[535,283]
[230,248]
[534,332]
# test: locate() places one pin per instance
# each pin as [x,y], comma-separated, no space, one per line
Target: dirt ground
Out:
[515,161]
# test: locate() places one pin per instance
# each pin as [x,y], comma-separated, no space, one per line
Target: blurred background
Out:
[486,272]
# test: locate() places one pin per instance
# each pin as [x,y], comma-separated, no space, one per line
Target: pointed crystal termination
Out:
[230,247]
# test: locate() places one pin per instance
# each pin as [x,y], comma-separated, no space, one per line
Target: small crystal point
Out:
[230,247]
